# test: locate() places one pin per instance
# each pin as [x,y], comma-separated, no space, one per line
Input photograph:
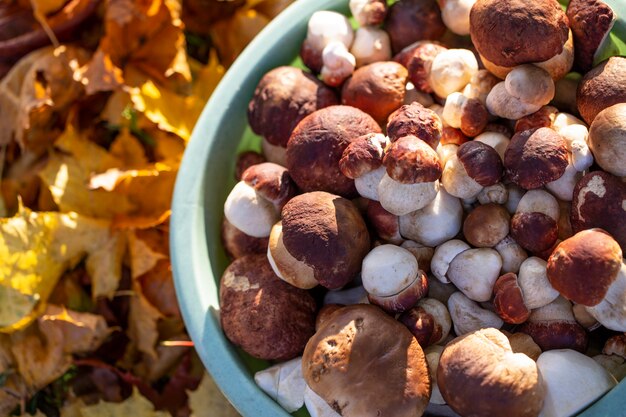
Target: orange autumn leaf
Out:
[233,34]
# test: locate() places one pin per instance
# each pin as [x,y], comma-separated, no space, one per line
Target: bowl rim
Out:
[194,278]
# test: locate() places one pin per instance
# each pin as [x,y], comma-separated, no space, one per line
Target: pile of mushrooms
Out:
[435,225]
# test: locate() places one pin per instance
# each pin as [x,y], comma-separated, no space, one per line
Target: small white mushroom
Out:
[249,212]
[530,84]
[582,158]
[455,15]
[444,254]
[387,270]
[284,383]
[539,201]
[563,187]
[456,180]
[453,109]
[370,45]
[572,381]
[562,120]
[512,254]
[467,316]
[367,184]
[367,12]
[316,406]
[475,271]
[480,85]
[533,280]
[338,62]
[451,70]
[401,199]
[502,104]
[496,193]
[325,27]
[436,223]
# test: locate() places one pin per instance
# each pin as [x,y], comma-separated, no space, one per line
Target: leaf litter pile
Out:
[98,99]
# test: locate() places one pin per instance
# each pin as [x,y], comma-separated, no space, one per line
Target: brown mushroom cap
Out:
[271,181]
[481,162]
[479,375]
[602,87]
[237,243]
[362,362]
[474,117]
[317,144]
[283,97]
[409,21]
[274,326]
[363,155]
[508,300]
[419,64]
[245,160]
[415,119]
[410,160]
[534,231]
[386,225]
[607,139]
[544,117]
[583,267]
[327,233]
[514,32]
[535,157]
[486,225]
[598,201]
[591,21]
[377,89]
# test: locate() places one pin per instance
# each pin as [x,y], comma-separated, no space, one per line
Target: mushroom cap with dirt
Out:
[265,316]
[364,363]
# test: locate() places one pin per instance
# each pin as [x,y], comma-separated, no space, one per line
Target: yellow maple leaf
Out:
[208,401]
[37,247]
[135,405]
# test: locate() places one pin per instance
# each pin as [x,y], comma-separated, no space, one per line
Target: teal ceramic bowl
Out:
[204,180]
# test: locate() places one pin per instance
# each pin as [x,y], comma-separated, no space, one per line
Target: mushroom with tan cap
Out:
[614,364]
[607,139]
[362,161]
[436,223]
[534,231]
[602,87]
[475,272]
[451,71]
[362,362]
[423,253]
[322,234]
[572,382]
[415,120]
[378,89]
[517,32]
[369,12]
[455,15]
[409,21]
[316,145]
[275,326]
[544,117]
[553,326]
[411,179]
[370,45]
[468,316]
[598,201]
[272,182]
[392,278]
[583,267]
[480,366]
[615,345]
[467,114]
[429,321]
[284,97]
[535,158]
[486,225]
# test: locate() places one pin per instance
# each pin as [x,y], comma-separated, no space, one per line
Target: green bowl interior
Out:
[204,180]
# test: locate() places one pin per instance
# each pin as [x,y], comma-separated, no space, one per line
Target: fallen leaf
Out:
[37,247]
[79,333]
[232,35]
[158,287]
[142,257]
[142,322]
[135,405]
[208,401]
[100,74]
[128,149]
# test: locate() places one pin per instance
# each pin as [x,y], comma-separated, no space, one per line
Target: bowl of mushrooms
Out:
[414,208]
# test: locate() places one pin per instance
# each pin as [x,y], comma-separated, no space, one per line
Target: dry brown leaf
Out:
[232,35]
[136,405]
[158,287]
[142,257]
[142,322]
[79,332]
[128,149]
[208,401]
[101,74]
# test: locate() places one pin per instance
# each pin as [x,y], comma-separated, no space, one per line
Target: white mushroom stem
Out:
[444,254]
[475,271]
[496,193]
[530,84]
[453,109]
[367,184]
[563,187]
[572,381]
[456,180]
[512,254]
[539,201]
[274,153]
[496,140]
[284,383]
[401,199]
[455,15]
[388,269]
[249,212]
[562,120]
[502,104]
[611,311]
[325,27]
[467,316]
[338,62]
[533,280]
[433,353]
[370,45]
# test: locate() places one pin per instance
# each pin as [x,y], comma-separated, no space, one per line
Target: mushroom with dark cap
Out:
[325,234]
[274,326]
[409,21]
[479,375]
[364,363]
[602,87]
[415,119]
[317,144]
[591,22]
[283,97]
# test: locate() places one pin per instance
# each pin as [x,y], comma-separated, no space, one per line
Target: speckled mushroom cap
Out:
[583,267]
[271,181]
[481,162]
[410,160]
[327,233]
[535,157]
[590,21]
[479,375]
[363,155]
[283,97]
[317,144]
[514,32]
[415,119]
[362,362]
[409,21]
[275,326]
[377,89]
[598,201]
[602,87]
